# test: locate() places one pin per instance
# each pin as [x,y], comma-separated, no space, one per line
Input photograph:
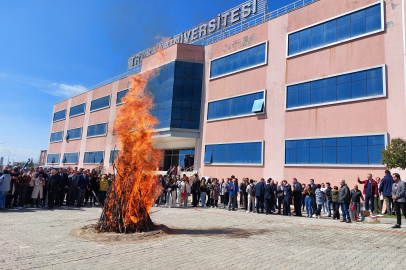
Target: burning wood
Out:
[134,187]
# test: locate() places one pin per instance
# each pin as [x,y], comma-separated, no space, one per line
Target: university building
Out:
[312,91]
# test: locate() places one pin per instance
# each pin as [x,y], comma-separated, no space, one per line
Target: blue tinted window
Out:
[237,61]
[59,115]
[97,130]
[120,95]
[357,23]
[56,136]
[53,159]
[344,87]
[100,103]
[243,153]
[93,157]
[242,105]
[358,150]
[74,133]
[70,158]
[113,156]
[77,110]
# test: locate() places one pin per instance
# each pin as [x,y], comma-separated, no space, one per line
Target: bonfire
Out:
[135,186]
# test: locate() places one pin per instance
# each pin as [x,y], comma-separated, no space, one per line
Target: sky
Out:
[53,49]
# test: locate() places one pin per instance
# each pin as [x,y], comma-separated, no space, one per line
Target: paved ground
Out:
[205,239]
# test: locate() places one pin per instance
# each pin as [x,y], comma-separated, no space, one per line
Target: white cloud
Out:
[52,88]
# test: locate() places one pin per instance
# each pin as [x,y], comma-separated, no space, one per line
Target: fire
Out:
[135,188]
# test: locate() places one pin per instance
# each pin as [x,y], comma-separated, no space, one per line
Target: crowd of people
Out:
[272,197]
[36,187]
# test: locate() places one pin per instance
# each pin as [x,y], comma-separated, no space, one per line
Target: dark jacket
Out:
[83,181]
[196,185]
[72,180]
[334,196]
[344,194]
[259,189]
[269,191]
[54,183]
[64,179]
[287,191]
[297,190]
[356,195]
[386,186]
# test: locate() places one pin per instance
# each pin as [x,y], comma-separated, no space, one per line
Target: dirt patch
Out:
[89,233]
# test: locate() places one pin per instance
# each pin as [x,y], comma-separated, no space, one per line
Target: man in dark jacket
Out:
[297,197]
[269,194]
[386,190]
[328,198]
[314,187]
[73,179]
[63,189]
[356,196]
[259,194]
[82,188]
[54,184]
[344,201]
[287,192]
[281,197]
[195,190]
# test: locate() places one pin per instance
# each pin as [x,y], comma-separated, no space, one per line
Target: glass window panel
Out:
[230,156]
[375,154]
[305,43]
[293,89]
[244,62]
[373,22]
[186,104]
[233,110]
[220,69]
[231,146]
[75,133]
[304,98]
[329,155]
[247,145]
[344,19]
[375,72]
[359,155]
[247,156]
[293,47]
[359,140]
[330,24]
[303,156]
[305,32]
[304,86]
[344,155]
[257,156]
[358,27]
[239,156]
[373,10]
[317,84]
[359,89]
[375,86]
[208,157]
[223,156]
[291,156]
[186,114]
[291,144]
[236,55]
[185,124]
[330,81]
[252,59]
[194,125]
[240,108]
[362,75]
[317,28]
[330,35]
[100,103]
[329,93]
[258,106]
[344,91]
[358,15]
[59,115]
[316,143]
[344,141]
[316,155]
[228,67]
[261,47]
[239,146]
[79,109]
[343,31]
[303,143]
[316,96]
[236,65]
[330,142]
[252,50]
[261,57]
[257,145]
[97,130]
[377,139]
[344,78]
[225,112]
[294,36]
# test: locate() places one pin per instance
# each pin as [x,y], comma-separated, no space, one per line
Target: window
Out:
[59,115]
[56,136]
[236,106]
[247,153]
[363,84]
[100,103]
[73,134]
[70,158]
[53,159]
[97,130]
[113,155]
[355,150]
[238,61]
[340,29]
[93,157]
[120,95]
[77,110]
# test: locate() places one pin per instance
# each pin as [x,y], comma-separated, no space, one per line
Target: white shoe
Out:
[215,207]
[247,211]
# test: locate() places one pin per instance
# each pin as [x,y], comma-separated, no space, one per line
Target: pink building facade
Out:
[315,93]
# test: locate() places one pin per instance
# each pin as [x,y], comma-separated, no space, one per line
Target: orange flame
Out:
[135,186]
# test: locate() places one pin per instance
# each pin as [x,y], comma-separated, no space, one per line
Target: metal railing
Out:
[132,71]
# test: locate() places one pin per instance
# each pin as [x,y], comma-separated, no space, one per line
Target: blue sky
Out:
[51,49]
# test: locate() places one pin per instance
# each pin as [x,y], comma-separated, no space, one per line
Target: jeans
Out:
[202,198]
[398,206]
[21,195]
[368,199]
[251,203]
[233,202]
[389,204]
[260,203]
[328,206]
[357,205]
[318,210]
[344,210]
[286,205]
[309,204]
[324,206]
[37,201]
[3,198]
